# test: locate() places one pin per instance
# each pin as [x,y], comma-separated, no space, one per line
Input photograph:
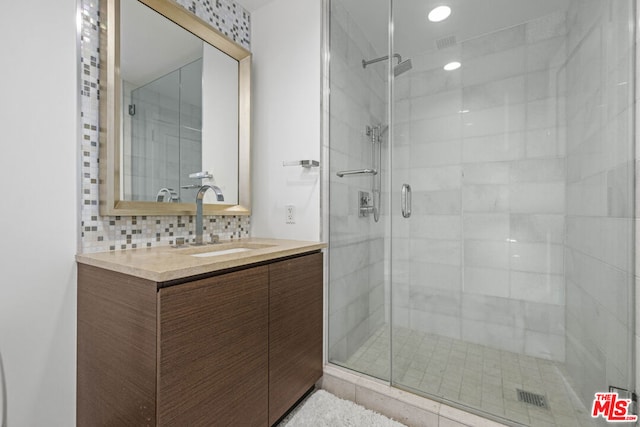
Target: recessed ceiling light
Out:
[439,13]
[452,66]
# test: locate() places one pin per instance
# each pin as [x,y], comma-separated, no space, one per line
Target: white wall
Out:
[38,168]
[286,118]
[219,127]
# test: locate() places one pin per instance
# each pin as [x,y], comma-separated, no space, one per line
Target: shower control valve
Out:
[364,204]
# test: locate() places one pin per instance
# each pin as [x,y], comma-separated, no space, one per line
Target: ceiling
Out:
[170,47]
[152,46]
[413,33]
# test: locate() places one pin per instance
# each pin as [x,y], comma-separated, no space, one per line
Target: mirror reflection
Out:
[179,112]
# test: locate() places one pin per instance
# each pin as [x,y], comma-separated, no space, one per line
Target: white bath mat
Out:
[323,409]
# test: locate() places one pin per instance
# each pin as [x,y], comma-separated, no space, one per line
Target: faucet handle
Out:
[180,242]
[215,238]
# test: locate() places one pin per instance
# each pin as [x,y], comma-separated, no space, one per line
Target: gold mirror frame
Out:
[110,113]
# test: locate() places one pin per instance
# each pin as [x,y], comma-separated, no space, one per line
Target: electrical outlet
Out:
[290,214]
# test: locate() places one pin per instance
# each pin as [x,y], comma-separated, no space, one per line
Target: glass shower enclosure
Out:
[163,136]
[481,202]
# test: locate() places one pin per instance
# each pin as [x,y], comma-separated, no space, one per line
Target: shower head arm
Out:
[382,58]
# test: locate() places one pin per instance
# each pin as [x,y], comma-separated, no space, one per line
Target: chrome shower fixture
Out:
[401,66]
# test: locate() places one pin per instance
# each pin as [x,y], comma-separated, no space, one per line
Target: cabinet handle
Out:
[405,200]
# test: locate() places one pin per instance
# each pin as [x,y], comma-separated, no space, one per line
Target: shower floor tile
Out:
[473,375]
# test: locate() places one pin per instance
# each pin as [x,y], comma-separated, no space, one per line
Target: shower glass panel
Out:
[507,290]
[165,119]
[513,276]
[359,137]
[155,116]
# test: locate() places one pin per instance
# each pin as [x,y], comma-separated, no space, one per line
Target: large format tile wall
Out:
[356,255]
[483,148]
[600,211]
[114,233]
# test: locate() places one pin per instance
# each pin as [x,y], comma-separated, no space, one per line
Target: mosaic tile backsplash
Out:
[225,15]
[116,233]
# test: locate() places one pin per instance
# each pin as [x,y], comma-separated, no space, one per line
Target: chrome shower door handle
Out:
[405,200]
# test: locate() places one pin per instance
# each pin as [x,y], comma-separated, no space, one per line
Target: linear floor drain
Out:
[532,399]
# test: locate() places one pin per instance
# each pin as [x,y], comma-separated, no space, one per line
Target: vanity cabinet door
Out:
[213,351]
[116,371]
[295,330]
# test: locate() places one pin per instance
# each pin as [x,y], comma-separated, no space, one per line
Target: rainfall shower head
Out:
[400,68]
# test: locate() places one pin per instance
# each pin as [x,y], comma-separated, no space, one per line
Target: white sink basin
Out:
[222,252]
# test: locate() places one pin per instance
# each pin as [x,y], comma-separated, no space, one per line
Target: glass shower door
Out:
[512,279]
[155,120]
[165,139]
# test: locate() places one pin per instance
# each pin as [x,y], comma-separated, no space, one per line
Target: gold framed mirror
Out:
[116,196]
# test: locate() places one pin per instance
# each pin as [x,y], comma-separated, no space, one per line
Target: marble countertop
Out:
[165,263]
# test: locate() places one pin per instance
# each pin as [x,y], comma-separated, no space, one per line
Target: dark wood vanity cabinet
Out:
[237,348]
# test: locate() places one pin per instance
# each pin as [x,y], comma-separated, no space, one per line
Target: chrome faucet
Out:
[166,195]
[199,198]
